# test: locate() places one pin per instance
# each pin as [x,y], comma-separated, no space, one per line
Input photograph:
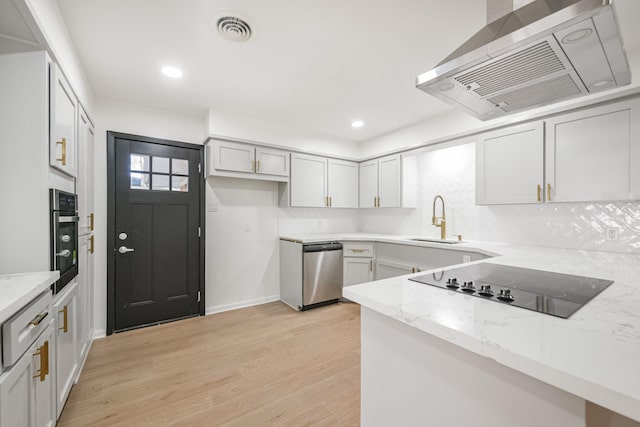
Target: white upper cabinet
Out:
[321,182]
[382,181]
[85,178]
[369,184]
[272,162]
[233,156]
[239,160]
[509,165]
[594,154]
[63,123]
[342,183]
[389,182]
[308,181]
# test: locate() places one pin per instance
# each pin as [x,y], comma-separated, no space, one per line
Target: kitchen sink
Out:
[447,242]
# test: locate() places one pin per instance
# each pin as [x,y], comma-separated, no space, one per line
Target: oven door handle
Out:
[68,219]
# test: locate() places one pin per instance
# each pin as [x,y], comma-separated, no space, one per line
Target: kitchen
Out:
[434,144]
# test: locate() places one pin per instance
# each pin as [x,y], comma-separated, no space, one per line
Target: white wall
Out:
[450,171]
[51,23]
[247,128]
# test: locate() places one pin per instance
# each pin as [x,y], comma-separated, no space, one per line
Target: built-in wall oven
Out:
[64,236]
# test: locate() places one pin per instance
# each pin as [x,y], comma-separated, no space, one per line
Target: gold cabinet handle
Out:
[330,202]
[358,251]
[43,353]
[548,192]
[378,201]
[39,318]
[370,265]
[253,166]
[375,201]
[258,166]
[63,159]
[539,193]
[65,322]
[91,221]
[92,244]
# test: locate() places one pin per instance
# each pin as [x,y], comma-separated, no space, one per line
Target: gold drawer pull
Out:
[370,265]
[39,318]
[548,192]
[63,159]
[539,193]
[330,203]
[91,221]
[358,251]
[65,322]
[91,246]
[258,166]
[43,352]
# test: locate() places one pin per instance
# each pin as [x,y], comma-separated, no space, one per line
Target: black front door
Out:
[155,227]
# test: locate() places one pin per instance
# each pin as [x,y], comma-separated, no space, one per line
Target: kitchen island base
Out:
[411,378]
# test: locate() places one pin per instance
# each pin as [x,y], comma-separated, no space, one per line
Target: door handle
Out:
[65,253]
[124,249]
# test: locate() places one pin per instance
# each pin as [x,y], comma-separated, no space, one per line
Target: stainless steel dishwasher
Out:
[310,274]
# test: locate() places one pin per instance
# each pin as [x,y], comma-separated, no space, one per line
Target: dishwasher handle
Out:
[322,247]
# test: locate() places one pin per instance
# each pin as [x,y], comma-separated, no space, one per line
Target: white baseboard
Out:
[99,333]
[240,304]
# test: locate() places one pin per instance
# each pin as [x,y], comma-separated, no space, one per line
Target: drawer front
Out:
[21,330]
[364,250]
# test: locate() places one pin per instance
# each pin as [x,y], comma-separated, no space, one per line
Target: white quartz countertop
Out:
[595,354]
[17,290]
[465,245]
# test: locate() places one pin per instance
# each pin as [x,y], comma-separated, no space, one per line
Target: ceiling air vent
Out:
[234,28]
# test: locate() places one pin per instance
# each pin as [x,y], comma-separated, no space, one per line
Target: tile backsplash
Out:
[450,172]
[301,221]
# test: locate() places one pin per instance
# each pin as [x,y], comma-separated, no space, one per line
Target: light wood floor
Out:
[258,366]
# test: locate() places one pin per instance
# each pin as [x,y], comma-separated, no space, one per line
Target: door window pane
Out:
[161,164]
[160,182]
[139,162]
[180,166]
[139,181]
[179,183]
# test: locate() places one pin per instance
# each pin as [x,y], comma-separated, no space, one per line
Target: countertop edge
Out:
[35,289]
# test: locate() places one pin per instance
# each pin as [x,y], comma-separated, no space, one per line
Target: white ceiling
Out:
[313,65]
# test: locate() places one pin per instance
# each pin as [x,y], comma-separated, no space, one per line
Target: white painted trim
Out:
[240,304]
[99,333]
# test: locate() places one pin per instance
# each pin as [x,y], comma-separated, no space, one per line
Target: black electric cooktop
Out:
[556,294]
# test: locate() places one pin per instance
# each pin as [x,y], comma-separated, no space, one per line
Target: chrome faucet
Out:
[443,222]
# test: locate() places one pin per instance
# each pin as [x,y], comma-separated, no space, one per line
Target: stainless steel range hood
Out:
[544,52]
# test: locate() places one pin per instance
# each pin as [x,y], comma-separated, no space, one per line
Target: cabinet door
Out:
[357,270]
[43,383]
[509,165]
[85,178]
[594,154]
[83,307]
[272,162]
[17,400]
[308,181]
[342,183]
[386,269]
[368,184]
[233,156]
[65,314]
[62,114]
[389,182]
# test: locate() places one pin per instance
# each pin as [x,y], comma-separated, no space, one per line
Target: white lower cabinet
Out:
[27,389]
[357,270]
[85,296]
[66,321]
[386,269]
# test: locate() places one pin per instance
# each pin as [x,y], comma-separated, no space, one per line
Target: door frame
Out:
[111,215]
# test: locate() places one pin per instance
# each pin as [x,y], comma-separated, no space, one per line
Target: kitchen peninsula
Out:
[430,353]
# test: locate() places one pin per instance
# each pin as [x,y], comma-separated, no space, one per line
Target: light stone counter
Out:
[17,290]
[594,355]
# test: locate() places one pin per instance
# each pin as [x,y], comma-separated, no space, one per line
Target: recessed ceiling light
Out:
[172,72]
[357,124]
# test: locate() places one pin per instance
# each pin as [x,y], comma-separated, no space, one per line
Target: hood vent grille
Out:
[535,62]
[541,53]
[545,92]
